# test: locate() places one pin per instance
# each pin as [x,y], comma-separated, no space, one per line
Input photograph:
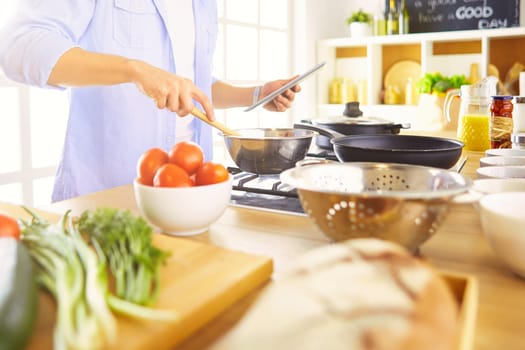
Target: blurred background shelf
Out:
[365,61]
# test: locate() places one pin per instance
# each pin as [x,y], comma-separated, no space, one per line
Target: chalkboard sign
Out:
[445,15]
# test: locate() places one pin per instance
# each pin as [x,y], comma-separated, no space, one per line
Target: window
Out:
[253,47]
[32,128]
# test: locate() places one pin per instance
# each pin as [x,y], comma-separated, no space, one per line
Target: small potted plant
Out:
[359,23]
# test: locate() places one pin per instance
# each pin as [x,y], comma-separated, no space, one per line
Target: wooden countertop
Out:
[458,246]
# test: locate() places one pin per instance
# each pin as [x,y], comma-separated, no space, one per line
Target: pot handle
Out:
[332,134]
[401,126]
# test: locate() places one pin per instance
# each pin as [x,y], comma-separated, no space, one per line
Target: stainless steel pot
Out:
[268,151]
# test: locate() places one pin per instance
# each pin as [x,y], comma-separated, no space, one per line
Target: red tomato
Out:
[148,164]
[171,175]
[188,155]
[9,227]
[211,173]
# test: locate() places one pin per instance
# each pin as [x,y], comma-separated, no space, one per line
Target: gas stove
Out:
[266,192]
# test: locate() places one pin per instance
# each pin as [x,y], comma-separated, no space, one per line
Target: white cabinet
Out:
[369,58]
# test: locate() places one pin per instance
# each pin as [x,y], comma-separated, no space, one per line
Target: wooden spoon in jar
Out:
[494,71]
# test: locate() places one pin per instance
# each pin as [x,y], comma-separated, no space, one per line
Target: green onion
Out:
[76,274]
[73,273]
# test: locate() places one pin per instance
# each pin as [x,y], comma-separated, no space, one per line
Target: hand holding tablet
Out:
[285,87]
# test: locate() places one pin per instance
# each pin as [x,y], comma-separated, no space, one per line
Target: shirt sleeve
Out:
[38,34]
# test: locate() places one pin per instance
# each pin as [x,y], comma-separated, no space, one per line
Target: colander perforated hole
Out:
[387,182]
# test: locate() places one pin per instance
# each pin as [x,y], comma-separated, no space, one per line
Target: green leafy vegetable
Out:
[435,82]
[73,273]
[126,240]
[76,273]
[442,86]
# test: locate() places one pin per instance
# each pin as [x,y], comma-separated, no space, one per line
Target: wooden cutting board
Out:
[199,281]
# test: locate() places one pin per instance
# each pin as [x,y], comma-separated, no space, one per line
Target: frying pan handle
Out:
[332,134]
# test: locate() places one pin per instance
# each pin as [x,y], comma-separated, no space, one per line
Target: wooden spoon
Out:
[512,76]
[494,71]
[227,131]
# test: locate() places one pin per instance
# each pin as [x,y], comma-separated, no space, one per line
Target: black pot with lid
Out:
[352,122]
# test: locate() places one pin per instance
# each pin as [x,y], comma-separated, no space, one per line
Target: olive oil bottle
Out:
[404,18]
[392,24]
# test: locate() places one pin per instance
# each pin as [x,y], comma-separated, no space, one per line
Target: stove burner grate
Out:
[264,192]
[261,184]
[267,192]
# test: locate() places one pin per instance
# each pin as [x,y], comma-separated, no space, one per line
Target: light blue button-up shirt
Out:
[109,127]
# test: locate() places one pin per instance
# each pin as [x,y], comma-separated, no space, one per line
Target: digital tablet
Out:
[285,87]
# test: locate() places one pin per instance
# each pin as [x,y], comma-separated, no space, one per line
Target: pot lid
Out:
[352,120]
[352,109]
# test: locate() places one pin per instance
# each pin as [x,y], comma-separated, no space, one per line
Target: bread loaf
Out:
[359,294]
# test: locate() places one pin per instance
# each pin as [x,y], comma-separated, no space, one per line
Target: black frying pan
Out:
[431,151]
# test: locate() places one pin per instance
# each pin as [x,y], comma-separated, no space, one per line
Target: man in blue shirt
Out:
[118,59]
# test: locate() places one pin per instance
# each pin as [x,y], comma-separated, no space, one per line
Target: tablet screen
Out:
[285,87]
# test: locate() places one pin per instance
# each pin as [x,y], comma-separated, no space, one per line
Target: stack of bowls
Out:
[502,164]
[501,182]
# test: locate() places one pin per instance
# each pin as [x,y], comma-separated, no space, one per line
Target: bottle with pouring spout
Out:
[474,112]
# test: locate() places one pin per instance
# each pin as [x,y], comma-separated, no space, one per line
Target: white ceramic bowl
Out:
[183,211]
[507,152]
[503,221]
[501,172]
[501,161]
[489,186]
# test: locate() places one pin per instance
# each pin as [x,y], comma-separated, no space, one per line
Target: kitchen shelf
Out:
[369,58]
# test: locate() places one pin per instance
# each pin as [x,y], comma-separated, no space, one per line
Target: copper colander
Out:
[396,202]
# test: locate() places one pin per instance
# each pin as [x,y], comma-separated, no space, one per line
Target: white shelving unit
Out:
[369,58]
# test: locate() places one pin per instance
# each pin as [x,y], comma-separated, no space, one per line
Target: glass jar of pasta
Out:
[501,122]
